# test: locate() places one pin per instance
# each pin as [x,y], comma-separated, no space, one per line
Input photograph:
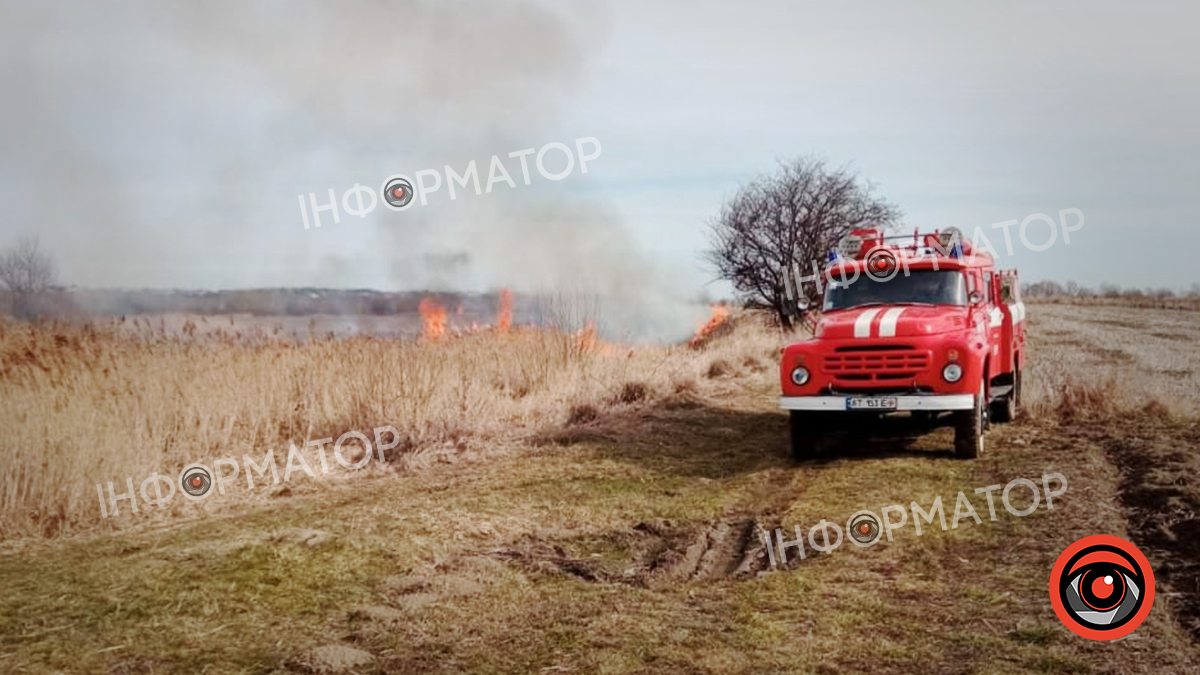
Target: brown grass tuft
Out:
[633,392]
[718,368]
[582,414]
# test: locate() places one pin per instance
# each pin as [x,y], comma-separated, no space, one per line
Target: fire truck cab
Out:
[925,325]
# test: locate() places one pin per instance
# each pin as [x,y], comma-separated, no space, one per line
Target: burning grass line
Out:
[153,406]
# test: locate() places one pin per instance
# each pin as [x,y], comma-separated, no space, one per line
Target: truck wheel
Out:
[1017,390]
[969,426]
[806,430]
[1005,410]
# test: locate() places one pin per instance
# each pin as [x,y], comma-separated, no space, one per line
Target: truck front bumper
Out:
[909,402]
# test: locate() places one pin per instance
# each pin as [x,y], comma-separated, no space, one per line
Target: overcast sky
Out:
[164,145]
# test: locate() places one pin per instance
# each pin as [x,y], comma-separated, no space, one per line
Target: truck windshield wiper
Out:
[865,304]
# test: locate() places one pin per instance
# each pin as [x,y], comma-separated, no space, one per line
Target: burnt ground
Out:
[1160,492]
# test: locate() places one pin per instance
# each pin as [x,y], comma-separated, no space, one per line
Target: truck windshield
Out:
[931,287]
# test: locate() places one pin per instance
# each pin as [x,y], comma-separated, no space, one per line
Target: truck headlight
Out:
[800,376]
[952,372]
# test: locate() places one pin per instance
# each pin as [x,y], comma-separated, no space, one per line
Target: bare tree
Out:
[792,218]
[1043,289]
[26,271]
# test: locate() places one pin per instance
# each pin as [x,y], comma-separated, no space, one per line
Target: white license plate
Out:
[871,403]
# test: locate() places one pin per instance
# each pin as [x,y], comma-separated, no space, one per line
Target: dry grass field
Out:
[86,406]
[1127,382]
[561,505]
[1143,355]
[1189,302]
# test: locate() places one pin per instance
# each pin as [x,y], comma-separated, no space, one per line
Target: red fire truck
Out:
[918,324]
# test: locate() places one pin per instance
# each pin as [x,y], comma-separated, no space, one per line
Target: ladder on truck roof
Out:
[950,242]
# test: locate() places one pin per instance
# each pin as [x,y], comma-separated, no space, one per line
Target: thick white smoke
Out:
[156,144]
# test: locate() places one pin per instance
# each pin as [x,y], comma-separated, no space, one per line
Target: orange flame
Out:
[433,319]
[505,317]
[719,314]
[585,338]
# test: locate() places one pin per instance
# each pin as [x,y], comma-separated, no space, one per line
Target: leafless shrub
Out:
[791,218]
[27,272]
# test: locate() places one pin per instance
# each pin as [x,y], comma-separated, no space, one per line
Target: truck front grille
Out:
[878,363]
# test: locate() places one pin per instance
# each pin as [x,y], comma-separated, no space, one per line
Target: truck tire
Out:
[1005,410]
[969,426]
[806,431]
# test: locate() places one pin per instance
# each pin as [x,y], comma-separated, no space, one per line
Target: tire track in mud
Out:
[732,546]
[666,553]
[658,553]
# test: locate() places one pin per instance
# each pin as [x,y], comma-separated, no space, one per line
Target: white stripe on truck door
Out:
[862,325]
[887,325]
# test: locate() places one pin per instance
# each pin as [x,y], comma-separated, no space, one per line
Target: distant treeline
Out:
[67,302]
[1111,294]
[1052,288]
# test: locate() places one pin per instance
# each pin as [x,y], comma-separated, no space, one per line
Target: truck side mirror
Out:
[975,297]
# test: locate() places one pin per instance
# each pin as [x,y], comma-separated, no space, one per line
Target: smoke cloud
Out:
[163,145]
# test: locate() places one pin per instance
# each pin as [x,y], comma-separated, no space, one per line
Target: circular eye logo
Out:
[881,265]
[398,192]
[1102,587]
[196,480]
[863,528]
